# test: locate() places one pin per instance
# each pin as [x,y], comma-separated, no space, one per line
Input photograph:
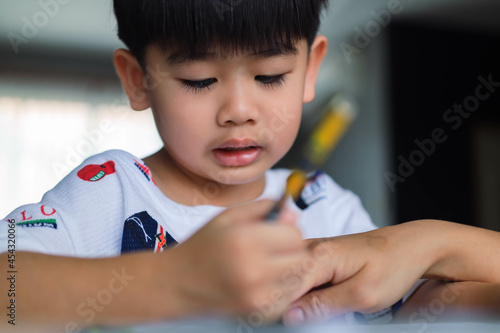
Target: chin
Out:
[238,175]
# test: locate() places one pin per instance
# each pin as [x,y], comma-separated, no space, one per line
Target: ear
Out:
[316,55]
[132,78]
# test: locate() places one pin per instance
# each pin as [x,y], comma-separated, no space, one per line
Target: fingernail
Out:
[295,317]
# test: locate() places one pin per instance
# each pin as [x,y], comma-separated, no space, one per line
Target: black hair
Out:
[196,27]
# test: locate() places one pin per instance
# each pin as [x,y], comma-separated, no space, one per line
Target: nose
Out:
[238,107]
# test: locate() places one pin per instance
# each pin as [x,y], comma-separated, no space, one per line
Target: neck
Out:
[192,190]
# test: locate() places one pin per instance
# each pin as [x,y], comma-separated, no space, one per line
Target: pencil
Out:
[339,115]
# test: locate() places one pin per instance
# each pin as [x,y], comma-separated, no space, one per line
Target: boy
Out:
[226,93]
[226,88]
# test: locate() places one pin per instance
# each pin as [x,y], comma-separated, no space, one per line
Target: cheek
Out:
[284,114]
[292,128]
[283,126]
[293,117]
[181,123]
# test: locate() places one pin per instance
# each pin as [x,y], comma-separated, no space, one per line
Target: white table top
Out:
[221,327]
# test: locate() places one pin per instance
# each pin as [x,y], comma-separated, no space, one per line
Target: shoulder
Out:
[106,177]
[83,214]
[98,166]
[113,154]
[116,156]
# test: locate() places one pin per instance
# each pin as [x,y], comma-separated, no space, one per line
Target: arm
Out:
[438,300]
[231,266]
[373,270]
[70,293]
[460,252]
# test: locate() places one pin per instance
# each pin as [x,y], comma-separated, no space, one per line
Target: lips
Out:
[237,152]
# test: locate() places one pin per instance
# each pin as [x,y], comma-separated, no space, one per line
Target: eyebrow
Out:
[179,58]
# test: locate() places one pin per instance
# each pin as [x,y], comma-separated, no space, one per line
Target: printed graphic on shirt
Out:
[314,190]
[142,232]
[161,241]
[36,216]
[96,172]
[50,223]
[145,171]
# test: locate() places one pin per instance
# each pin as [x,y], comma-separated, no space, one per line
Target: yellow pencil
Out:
[324,138]
[339,115]
[294,185]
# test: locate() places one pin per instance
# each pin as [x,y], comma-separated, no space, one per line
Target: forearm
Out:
[460,260]
[60,291]
[445,250]
[460,252]
[440,301]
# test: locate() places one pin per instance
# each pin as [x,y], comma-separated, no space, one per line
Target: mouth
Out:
[237,152]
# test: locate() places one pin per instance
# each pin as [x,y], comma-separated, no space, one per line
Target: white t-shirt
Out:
[110,205]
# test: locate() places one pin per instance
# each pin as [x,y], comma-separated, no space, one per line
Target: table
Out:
[224,327]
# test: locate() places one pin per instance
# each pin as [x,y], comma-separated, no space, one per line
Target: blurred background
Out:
[425,75]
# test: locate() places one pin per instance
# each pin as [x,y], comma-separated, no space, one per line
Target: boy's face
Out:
[228,119]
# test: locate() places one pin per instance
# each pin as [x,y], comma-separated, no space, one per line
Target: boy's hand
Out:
[371,271]
[238,263]
[365,272]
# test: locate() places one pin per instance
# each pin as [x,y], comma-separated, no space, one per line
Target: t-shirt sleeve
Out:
[80,216]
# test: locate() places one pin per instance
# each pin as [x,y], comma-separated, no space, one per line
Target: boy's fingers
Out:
[330,302]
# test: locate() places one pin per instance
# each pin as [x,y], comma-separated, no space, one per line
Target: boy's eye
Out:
[273,81]
[197,86]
